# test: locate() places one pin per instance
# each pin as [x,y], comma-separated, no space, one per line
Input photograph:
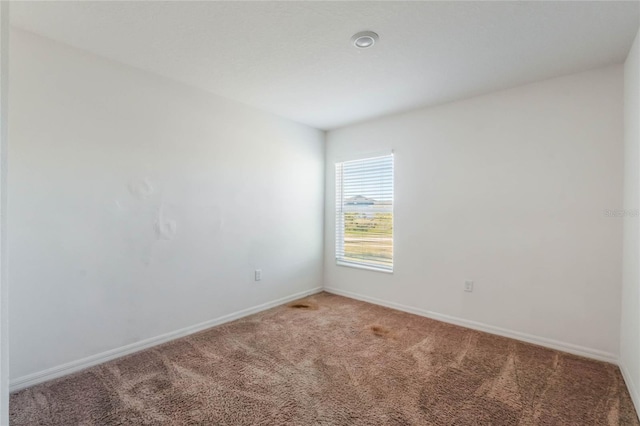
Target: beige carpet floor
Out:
[329,360]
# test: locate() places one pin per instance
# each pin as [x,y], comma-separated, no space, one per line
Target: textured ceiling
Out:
[295,58]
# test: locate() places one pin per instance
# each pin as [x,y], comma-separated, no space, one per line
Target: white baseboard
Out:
[74,366]
[81,364]
[631,386]
[529,338]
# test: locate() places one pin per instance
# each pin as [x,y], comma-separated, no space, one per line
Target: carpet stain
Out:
[304,306]
[335,365]
[380,331]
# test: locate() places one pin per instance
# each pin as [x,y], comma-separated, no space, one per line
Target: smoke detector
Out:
[364,39]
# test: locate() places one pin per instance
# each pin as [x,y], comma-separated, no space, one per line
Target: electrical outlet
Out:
[258,274]
[468,286]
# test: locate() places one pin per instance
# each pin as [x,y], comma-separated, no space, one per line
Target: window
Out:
[364,213]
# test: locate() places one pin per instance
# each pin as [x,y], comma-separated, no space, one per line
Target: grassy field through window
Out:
[368,236]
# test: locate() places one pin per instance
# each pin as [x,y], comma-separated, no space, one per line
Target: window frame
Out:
[340,213]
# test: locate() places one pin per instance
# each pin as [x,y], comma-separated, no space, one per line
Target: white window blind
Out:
[364,213]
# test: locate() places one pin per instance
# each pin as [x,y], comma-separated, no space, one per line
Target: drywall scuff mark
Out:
[165,228]
[141,189]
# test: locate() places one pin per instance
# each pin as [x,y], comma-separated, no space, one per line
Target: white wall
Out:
[630,324]
[508,190]
[104,160]
[4,284]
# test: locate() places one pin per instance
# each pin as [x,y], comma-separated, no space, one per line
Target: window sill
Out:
[361,266]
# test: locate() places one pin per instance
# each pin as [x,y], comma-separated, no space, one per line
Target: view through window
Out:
[364,213]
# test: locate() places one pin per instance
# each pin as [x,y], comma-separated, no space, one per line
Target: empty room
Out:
[319,213]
